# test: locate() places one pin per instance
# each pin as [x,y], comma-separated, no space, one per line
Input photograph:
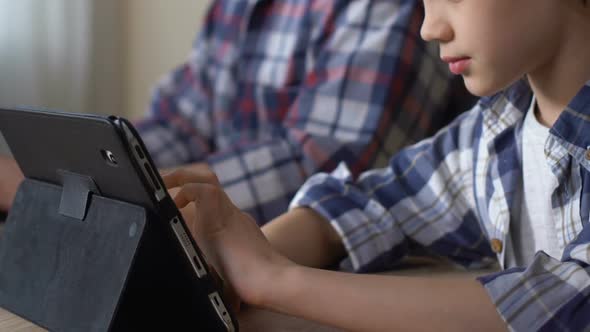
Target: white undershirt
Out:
[536,229]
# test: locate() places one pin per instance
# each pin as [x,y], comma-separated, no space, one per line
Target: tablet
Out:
[108,150]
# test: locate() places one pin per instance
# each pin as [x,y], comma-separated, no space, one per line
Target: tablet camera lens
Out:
[109,157]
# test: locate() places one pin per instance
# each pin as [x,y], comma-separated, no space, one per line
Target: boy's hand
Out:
[230,239]
[198,167]
[10,178]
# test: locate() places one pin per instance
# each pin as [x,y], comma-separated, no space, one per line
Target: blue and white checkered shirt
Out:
[457,192]
[277,90]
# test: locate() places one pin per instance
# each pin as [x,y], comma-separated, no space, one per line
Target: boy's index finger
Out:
[169,180]
[180,177]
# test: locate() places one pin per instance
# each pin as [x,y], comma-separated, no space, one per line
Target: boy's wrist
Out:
[284,282]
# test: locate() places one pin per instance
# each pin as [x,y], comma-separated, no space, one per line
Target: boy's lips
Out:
[457,65]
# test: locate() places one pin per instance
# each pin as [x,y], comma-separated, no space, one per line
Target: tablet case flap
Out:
[59,272]
[76,191]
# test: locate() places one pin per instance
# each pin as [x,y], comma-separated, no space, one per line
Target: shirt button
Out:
[496,245]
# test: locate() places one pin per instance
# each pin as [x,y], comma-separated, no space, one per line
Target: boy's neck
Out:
[557,82]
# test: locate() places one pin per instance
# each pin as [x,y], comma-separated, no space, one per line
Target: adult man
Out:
[275,91]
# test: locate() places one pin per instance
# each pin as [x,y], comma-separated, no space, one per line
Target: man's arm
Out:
[10,178]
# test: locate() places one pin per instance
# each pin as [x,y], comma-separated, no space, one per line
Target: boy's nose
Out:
[436,29]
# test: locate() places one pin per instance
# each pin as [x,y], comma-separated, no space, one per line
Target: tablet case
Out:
[71,260]
[163,284]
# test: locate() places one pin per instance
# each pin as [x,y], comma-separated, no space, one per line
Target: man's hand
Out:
[10,178]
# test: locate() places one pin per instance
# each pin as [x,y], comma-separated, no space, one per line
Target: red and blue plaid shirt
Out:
[275,91]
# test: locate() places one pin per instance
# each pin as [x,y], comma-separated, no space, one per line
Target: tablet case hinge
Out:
[76,193]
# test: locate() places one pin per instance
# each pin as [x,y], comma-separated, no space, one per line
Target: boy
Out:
[496,184]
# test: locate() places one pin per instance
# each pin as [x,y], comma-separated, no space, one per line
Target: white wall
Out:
[45,53]
[92,55]
[158,37]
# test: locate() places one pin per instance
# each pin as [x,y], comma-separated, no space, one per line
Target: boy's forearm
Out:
[383,303]
[365,302]
[306,238]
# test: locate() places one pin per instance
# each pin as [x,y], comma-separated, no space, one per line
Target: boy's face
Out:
[493,43]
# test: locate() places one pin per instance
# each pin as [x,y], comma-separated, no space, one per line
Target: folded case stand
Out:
[70,260]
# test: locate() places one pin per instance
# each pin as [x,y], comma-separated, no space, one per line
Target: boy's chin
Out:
[481,88]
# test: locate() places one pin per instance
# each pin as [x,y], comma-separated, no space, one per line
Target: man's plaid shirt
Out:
[275,91]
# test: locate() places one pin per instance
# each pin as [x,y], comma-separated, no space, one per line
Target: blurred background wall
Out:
[159,35]
[99,56]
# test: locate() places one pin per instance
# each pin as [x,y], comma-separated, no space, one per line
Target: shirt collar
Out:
[572,129]
[505,109]
[573,125]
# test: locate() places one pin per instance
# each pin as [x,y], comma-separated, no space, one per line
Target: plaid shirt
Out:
[458,191]
[275,91]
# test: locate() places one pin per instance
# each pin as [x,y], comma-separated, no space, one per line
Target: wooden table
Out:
[250,320]
[257,320]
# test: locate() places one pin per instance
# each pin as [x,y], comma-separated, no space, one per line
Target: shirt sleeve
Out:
[367,71]
[424,197]
[547,295]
